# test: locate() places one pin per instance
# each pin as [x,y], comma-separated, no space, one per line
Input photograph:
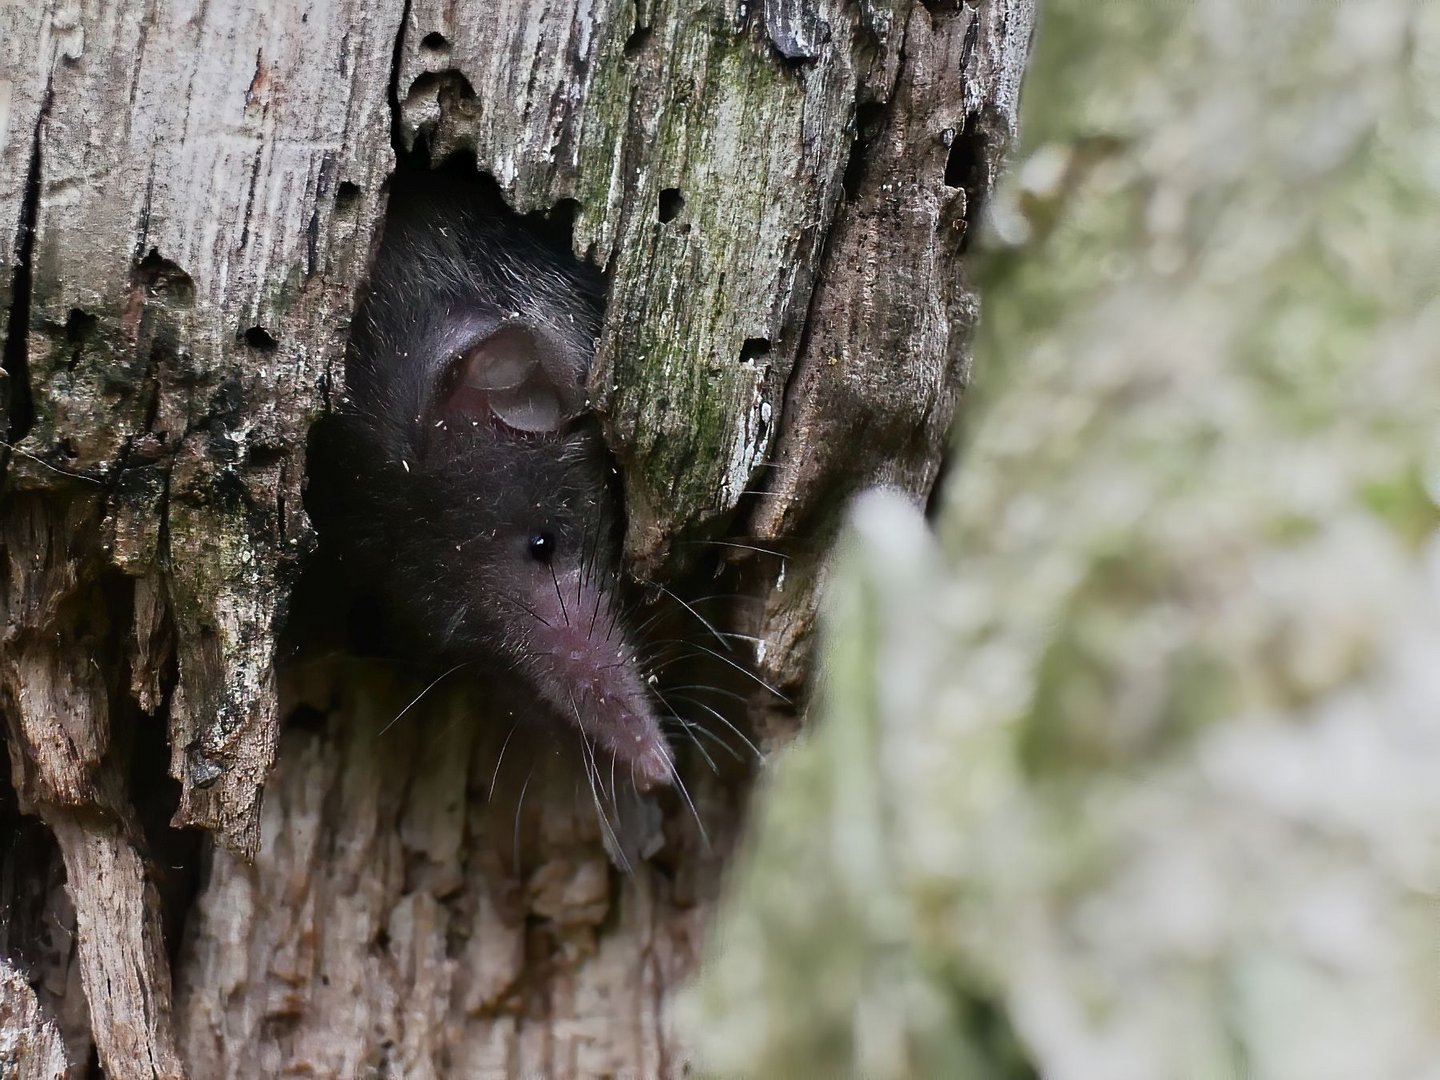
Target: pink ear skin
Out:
[517,378]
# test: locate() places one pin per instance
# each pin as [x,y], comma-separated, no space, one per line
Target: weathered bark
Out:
[781,196]
[1131,773]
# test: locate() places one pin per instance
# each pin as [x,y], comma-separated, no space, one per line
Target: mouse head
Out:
[508,437]
[492,524]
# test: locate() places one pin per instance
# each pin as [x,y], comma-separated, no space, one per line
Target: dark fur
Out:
[436,518]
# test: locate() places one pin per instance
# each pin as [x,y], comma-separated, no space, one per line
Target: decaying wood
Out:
[780,194]
[199,213]
[192,217]
[885,354]
[421,907]
[31,1047]
[53,687]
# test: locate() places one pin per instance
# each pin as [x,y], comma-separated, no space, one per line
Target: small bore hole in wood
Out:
[636,42]
[80,326]
[671,203]
[346,196]
[754,347]
[960,162]
[257,337]
[435,42]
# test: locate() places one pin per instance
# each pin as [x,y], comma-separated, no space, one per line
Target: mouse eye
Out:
[541,546]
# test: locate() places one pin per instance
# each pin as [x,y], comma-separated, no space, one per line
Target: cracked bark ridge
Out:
[22,100]
[185,207]
[886,349]
[196,239]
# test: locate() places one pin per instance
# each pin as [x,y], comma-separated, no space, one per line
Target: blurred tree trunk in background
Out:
[1132,774]
[782,195]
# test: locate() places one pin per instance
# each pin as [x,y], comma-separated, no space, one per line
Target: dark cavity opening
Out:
[561,217]
[257,337]
[15,390]
[263,456]
[869,118]
[176,854]
[636,42]
[671,203]
[962,160]
[754,347]
[36,932]
[435,42]
[965,170]
[447,86]
[346,196]
[80,326]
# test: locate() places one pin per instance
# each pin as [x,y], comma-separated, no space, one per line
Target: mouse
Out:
[467,482]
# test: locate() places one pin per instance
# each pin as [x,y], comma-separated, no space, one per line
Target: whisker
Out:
[438,680]
[740,547]
[743,670]
[556,580]
[641,627]
[685,793]
[689,728]
[515,848]
[594,615]
[746,637]
[660,663]
[711,689]
[592,774]
[718,716]
[496,774]
[522,606]
[703,621]
[726,596]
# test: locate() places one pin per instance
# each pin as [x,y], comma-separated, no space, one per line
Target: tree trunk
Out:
[781,194]
[1130,772]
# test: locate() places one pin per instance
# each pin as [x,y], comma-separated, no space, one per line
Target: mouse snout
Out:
[587,670]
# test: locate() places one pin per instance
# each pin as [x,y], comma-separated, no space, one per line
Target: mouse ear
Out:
[512,376]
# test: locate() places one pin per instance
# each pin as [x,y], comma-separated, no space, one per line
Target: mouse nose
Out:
[587,671]
[654,768]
